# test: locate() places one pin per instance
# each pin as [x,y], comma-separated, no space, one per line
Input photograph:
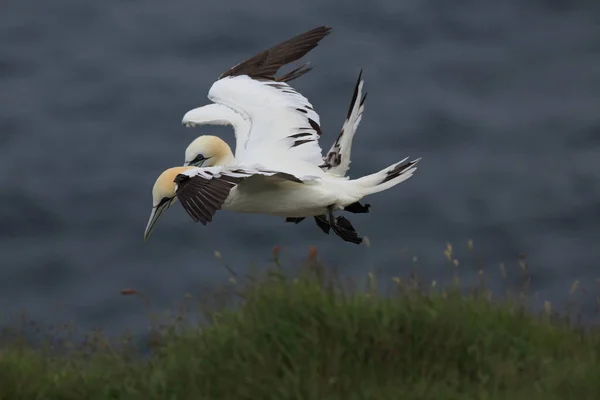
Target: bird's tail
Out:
[386,178]
[337,160]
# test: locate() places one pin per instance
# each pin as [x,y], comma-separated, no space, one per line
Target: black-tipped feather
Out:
[362,101]
[315,126]
[299,142]
[398,170]
[334,156]
[354,94]
[299,135]
[202,197]
[265,64]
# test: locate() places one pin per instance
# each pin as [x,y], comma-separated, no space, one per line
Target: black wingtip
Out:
[362,101]
[355,94]
[399,170]
[326,29]
[265,64]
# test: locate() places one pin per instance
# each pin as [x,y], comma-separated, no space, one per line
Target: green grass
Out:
[307,338]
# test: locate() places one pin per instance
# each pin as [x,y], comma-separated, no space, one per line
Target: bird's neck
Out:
[227,158]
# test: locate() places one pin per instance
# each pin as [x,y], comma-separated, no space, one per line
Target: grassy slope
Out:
[305,339]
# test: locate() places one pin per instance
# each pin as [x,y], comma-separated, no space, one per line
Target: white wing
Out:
[279,118]
[267,114]
[337,160]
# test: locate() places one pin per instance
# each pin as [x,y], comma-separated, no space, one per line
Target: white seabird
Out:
[277,155]
[283,102]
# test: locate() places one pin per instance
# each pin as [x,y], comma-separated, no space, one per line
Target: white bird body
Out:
[310,198]
[291,199]
[259,190]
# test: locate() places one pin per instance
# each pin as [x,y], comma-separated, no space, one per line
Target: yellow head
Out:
[208,150]
[163,195]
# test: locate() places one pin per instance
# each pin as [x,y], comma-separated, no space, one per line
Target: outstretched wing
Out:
[202,191]
[202,195]
[267,114]
[337,160]
[279,118]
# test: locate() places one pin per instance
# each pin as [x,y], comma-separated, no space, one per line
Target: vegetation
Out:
[311,337]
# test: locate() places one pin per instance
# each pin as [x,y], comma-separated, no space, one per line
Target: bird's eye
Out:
[199,158]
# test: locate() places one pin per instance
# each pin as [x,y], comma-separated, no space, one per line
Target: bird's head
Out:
[207,151]
[163,195]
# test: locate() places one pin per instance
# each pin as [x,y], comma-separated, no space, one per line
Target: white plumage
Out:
[267,117]
[335,162]
[278,168]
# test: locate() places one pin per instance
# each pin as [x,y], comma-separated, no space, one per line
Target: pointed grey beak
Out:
[155,216]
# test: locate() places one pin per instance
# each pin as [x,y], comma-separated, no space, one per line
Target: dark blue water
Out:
[500,98]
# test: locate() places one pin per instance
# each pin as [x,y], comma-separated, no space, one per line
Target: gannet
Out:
[209,150]
[277,154]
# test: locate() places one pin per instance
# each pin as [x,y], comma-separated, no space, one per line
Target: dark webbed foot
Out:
[322,223]
[344,223]
[343,228]
[347,230]
[294,220]
[357,208]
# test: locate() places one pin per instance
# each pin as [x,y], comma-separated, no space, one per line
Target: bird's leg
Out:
[343,228]
[294,220]
[357,208]
[322,223]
